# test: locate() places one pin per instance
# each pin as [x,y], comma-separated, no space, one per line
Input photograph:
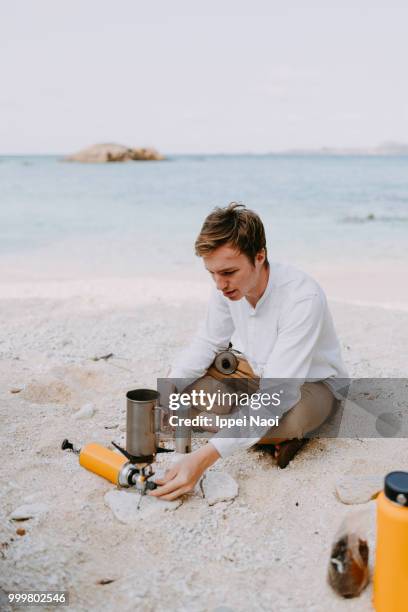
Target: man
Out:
[278,318]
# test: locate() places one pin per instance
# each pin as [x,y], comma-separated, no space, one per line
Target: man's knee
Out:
[311,411]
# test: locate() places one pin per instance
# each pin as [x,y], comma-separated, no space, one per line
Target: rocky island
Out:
[110,152]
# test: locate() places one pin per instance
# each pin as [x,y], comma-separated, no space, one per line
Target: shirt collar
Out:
[265,294]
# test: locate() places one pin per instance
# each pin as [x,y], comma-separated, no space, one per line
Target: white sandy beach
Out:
[267,550]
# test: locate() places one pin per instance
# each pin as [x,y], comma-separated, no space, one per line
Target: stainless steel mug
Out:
[140,422]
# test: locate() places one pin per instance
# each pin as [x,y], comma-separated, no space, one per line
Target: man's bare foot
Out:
[285,451]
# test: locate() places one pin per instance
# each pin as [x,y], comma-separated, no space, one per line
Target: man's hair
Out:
[236,226]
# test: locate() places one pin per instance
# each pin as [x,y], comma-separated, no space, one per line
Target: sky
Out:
[211,77]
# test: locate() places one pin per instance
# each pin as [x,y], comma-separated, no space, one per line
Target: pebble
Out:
[219,487]
[28,511]
[85,412]
[124,506]
[359,489]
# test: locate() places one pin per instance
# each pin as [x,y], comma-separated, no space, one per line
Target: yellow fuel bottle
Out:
[114,467]
[391,564]
[102,461]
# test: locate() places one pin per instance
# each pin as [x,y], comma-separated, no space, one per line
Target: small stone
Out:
[20,531]
[124,505]
[23,513]
[83,538]
[16,389]
[85,412]
[219,487]
[359,489]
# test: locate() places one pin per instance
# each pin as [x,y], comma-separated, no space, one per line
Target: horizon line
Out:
[383,148]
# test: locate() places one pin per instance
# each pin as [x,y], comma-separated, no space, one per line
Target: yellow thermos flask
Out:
[391,563]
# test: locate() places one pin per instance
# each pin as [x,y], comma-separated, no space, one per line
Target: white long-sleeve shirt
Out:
[288,335]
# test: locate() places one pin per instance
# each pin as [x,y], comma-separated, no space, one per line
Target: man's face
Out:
[232,271]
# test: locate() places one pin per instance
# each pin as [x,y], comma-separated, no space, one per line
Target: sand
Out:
[266,550]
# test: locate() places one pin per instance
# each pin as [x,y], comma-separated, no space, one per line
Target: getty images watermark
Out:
[363,407]
[200,398]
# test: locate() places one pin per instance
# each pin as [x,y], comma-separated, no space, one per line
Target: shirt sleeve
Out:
[213,336]
[287,367]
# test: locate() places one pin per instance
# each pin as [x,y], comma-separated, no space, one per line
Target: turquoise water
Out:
[323,209]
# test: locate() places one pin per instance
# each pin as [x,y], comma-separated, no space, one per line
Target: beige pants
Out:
[316,404]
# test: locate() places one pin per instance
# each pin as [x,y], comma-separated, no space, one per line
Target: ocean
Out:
[70,219]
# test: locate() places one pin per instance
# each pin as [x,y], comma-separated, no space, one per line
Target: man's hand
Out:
[183,476]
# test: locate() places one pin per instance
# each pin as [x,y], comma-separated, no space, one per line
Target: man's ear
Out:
[261,256]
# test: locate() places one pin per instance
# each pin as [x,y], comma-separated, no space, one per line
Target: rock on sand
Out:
[27,511]
[85,412]
[359,489]
[124,505]
[219,487]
